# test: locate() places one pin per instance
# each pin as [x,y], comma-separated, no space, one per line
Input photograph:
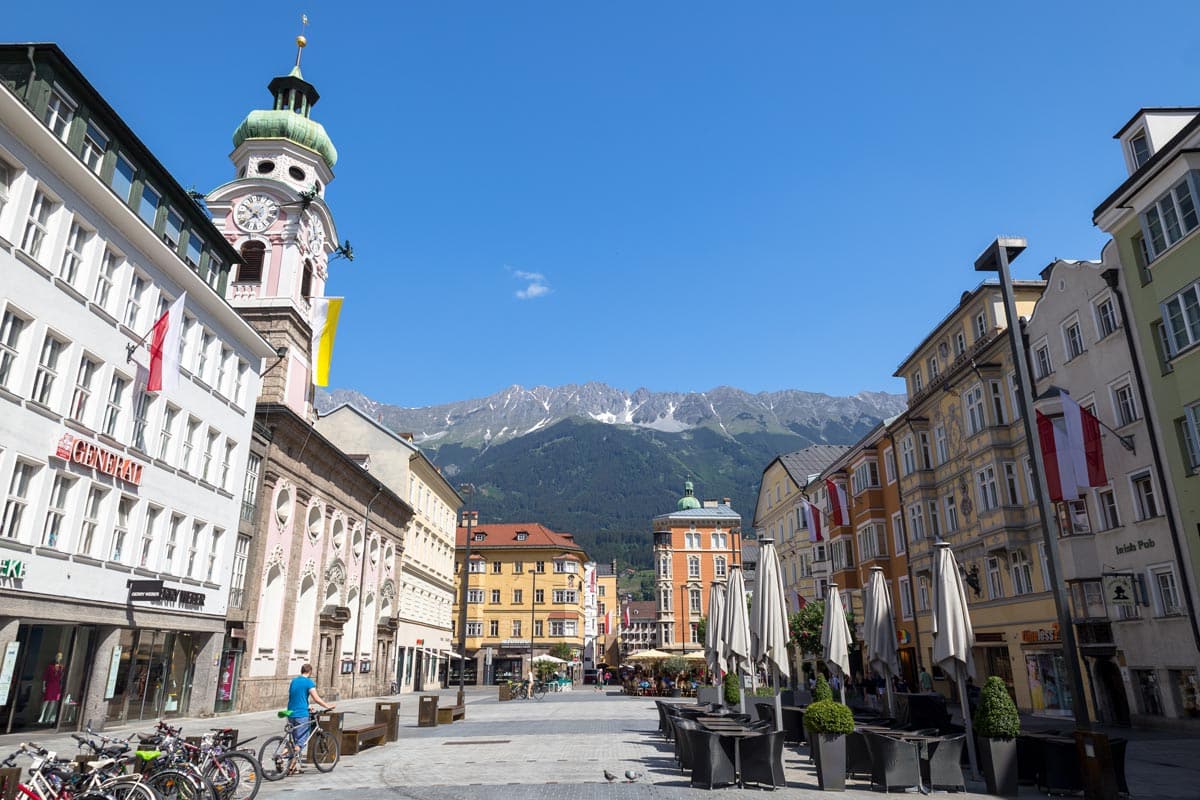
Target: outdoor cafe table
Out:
[735,731]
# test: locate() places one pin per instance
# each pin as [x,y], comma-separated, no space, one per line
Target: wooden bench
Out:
[449,714]
[354,739]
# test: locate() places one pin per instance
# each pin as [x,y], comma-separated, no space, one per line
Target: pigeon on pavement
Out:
[608,776]
[632,776]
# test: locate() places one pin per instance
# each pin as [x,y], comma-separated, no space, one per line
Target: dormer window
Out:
[1139,149]
[478,537]
[522,536]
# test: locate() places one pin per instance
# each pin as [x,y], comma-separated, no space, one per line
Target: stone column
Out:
[205,674]
[95,706]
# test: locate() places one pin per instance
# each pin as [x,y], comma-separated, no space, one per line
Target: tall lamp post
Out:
[469,518]
[996,258]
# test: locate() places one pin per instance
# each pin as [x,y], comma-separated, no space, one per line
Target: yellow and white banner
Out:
[325,313]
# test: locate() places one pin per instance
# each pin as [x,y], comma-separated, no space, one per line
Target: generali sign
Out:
[93,456]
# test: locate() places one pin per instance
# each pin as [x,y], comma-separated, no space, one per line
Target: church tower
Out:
[274,214]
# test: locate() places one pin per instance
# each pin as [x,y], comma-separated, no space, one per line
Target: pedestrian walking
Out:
[926,680]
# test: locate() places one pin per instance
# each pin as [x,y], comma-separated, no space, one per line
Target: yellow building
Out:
[524,580]
[964,477]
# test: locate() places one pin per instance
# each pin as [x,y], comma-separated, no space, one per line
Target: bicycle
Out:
[282,755]
[521,690]
[52,778]
[167,768]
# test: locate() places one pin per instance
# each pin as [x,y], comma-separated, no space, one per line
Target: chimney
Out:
[406,436]
[724,501]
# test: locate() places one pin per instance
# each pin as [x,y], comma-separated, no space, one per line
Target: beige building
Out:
[1119,555]
[964,476]
[425,590]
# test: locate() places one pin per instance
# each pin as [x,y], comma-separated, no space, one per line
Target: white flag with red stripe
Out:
[814,522]
[839,505]
[1071,450]
[164,348]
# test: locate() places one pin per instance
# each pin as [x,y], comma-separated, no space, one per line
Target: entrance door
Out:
[419,670]
[1112,690]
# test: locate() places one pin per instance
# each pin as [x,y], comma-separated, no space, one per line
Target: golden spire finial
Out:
[301,41]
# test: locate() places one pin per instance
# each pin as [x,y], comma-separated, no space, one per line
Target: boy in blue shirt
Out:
[302,692]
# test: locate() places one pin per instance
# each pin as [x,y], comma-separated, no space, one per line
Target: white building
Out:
[104,483]
[1119,557]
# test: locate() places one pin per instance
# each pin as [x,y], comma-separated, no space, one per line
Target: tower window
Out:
[265,166]
[296,173]
[252,255]
[306,282]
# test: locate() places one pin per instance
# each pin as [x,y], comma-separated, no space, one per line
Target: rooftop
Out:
[810,461]
[505,535]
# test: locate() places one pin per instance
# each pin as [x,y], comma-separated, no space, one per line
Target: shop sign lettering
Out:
[1133,547]
[95,457]
[11,570]
[1041,634]
[182,597]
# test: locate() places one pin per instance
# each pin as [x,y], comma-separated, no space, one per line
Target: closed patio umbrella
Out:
[835,636]
[880,631]
[714,641]
[737,629]
[768,620]
[953,636]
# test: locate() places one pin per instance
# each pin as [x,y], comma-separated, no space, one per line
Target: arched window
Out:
[306,617]
[306,281]
[350,628]
[252,267]
[268,614]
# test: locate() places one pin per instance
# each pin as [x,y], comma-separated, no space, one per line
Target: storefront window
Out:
[1048,687]
[1149,699]
[47,675]
[153,675]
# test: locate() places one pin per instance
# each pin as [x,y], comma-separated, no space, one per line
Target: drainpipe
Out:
[1113,278]
[912,582]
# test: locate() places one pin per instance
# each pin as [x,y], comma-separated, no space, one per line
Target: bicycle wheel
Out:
[234,776]
[129,787]
[324,750]
[173,784]
[276,758]
[539,691]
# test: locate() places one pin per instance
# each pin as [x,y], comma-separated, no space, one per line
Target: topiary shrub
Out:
[996,717]
[733,692]
[821,690]
[828,716]
[764,691]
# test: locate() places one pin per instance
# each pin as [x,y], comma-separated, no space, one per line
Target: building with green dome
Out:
[694,545]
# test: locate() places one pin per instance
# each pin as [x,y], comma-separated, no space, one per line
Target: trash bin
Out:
[331,721]
[505,692]
[389,714]
[427,711]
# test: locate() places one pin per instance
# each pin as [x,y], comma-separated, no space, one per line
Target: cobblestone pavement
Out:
[558,749]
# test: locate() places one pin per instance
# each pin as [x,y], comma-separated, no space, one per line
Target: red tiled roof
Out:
[505,535]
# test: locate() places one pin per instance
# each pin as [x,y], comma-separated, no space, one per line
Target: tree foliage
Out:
[702,628]
[805,627]
[561,650]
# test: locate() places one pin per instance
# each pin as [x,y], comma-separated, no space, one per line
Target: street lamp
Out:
[996,258]
[469,518]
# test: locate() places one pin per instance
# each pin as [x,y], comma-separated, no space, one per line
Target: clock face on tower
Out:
[312,236]
[255,212]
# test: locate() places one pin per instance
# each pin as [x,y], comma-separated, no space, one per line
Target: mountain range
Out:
[600,462]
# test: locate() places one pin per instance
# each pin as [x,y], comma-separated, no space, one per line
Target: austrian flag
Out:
[839,506]
[164,348]
[814,522]
[1071,451]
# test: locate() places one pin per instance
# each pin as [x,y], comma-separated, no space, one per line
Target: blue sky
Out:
[675,195]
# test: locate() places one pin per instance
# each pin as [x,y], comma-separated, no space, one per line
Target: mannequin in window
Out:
[51,690]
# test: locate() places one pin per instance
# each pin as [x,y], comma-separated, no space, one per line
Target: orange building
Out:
[693,546]
[874,537]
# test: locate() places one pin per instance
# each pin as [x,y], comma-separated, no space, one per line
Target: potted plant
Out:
[821,689]
[733,692]
[996,727]
[827,722]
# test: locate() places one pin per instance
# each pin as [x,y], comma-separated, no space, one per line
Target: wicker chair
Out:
[943,769]
[683,745]
[712,758]
[762,759]
[894,762]
[858,757]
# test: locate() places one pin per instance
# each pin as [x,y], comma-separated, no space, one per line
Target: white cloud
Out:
[537,285]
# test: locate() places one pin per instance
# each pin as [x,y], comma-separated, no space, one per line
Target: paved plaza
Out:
[558,749]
